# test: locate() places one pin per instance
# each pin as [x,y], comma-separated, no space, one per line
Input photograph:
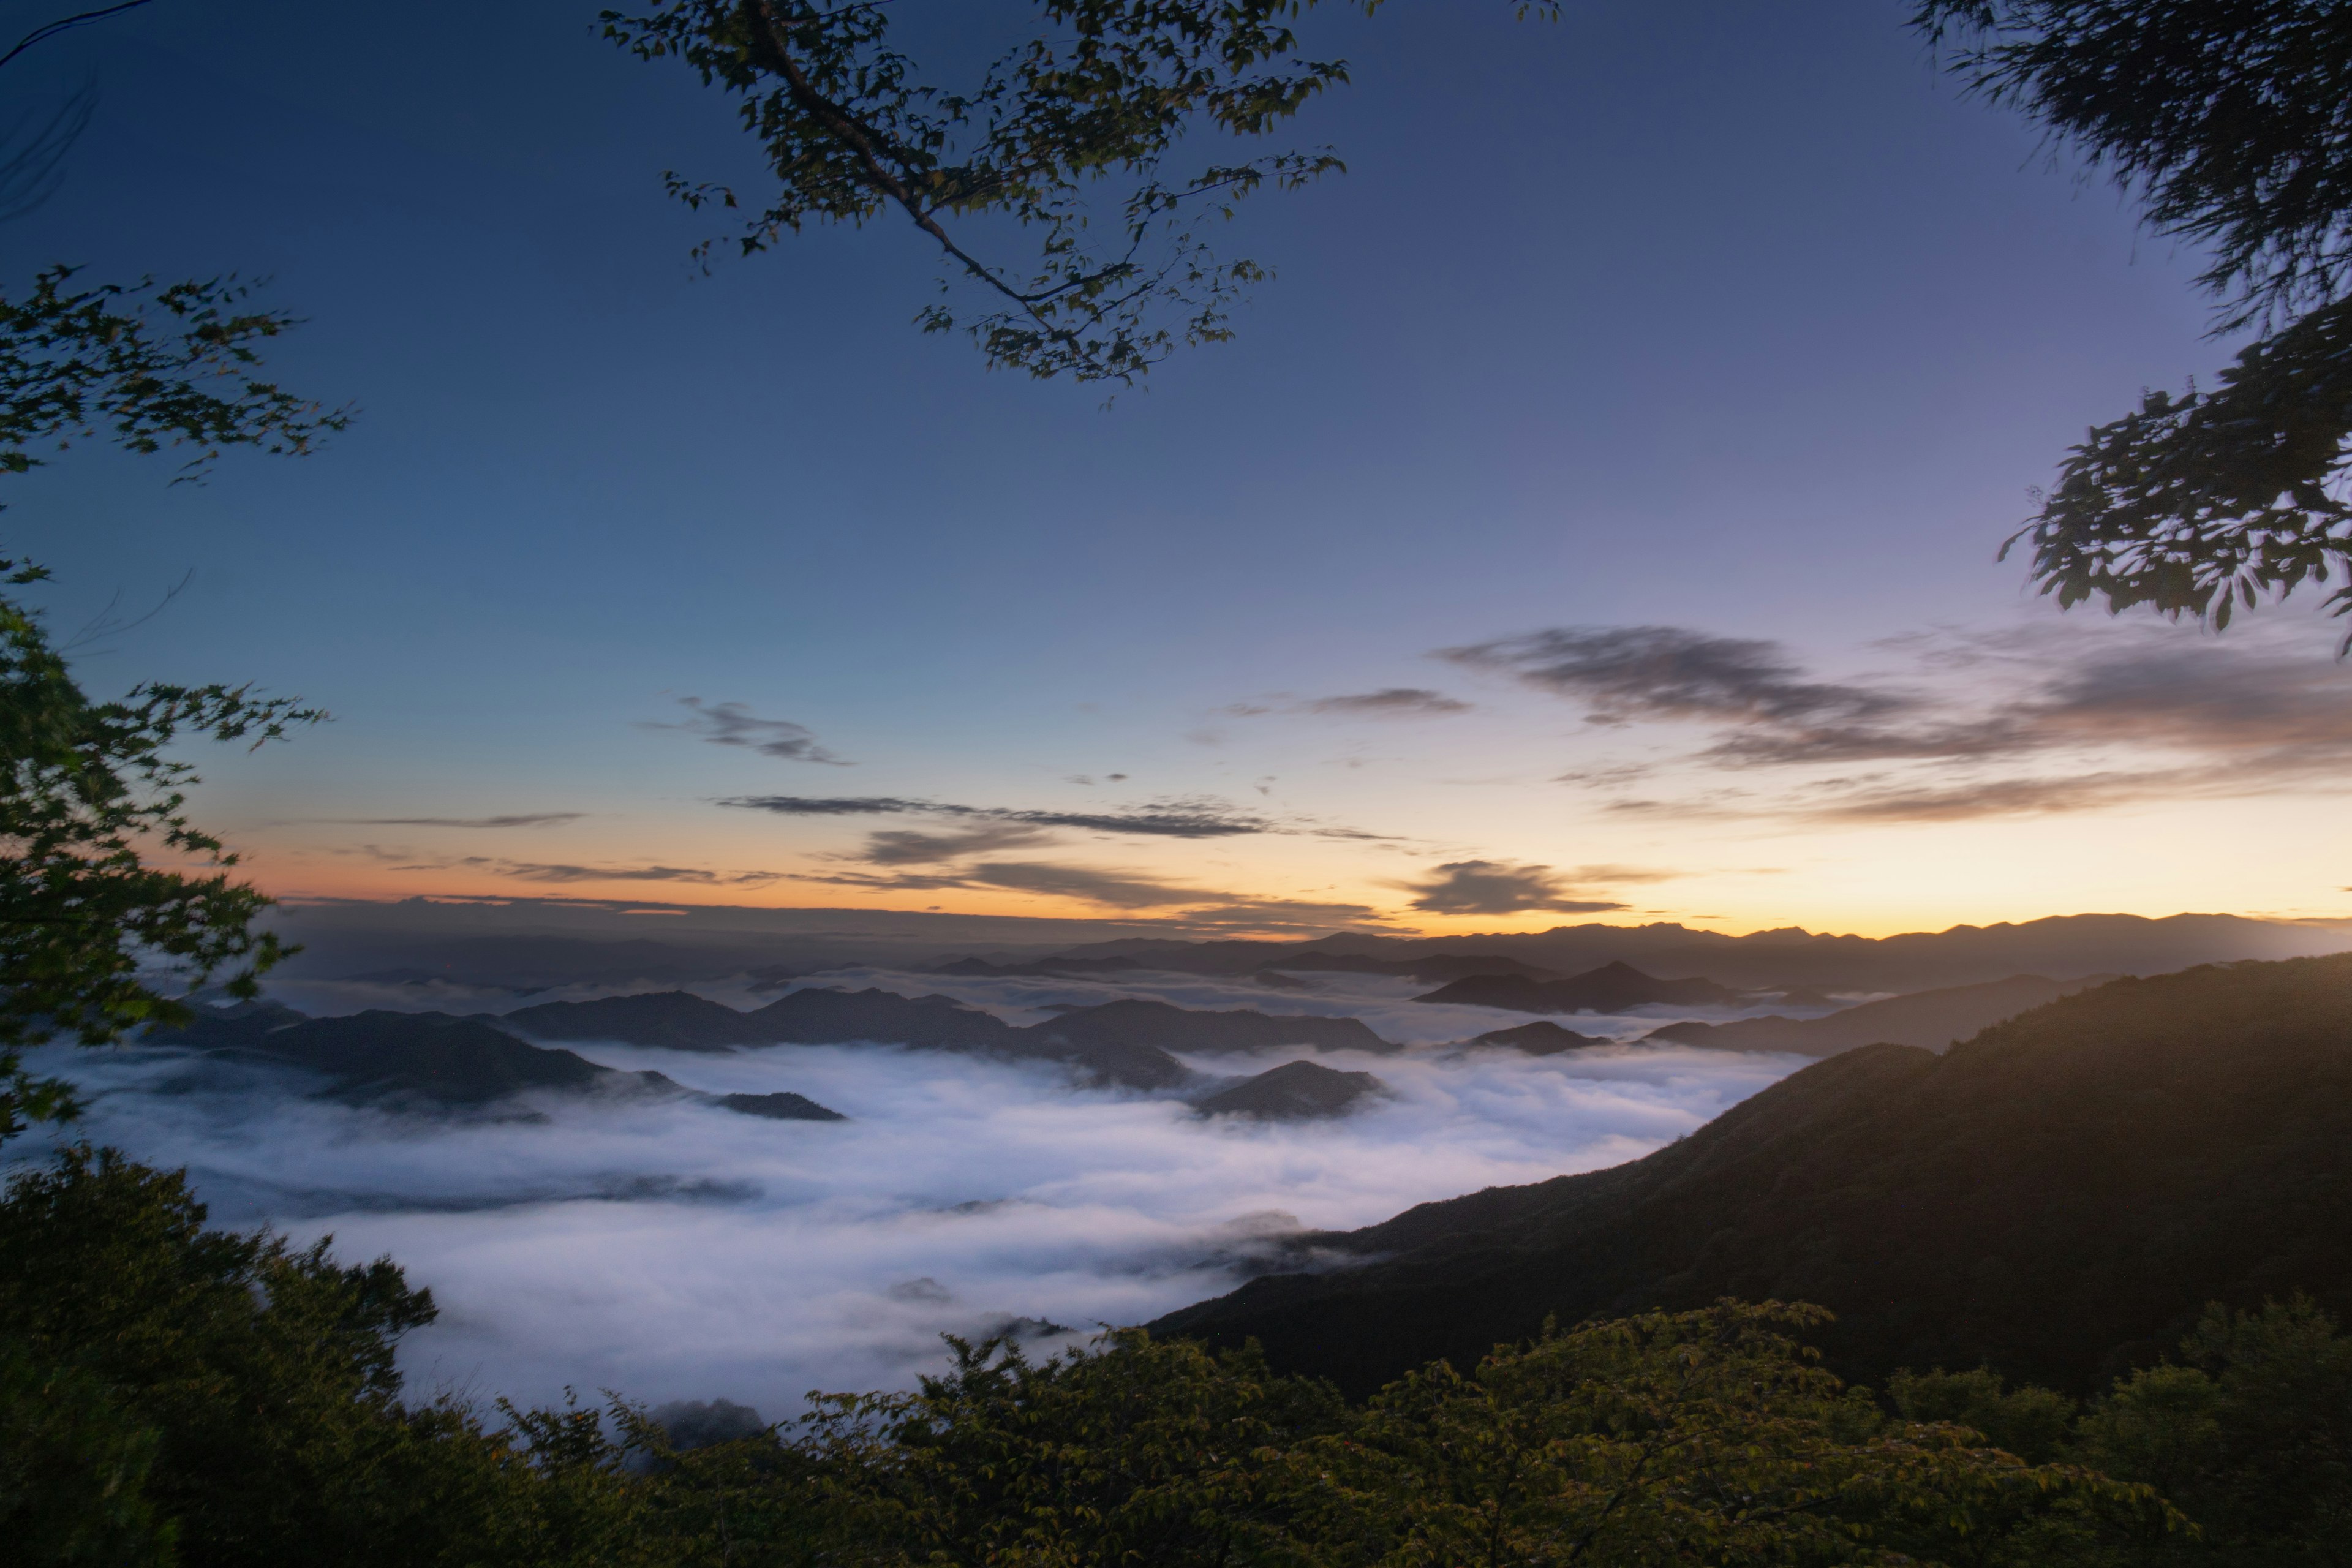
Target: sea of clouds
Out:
[666,1249]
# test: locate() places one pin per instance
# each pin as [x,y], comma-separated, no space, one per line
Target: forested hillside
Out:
[2056,1197]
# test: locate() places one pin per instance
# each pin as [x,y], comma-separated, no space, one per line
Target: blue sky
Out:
[1731,317]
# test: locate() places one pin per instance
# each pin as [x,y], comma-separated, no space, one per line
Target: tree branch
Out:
[51,30]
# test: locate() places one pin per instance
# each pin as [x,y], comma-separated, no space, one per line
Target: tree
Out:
[1099,90]
[1708,1437]
[2225,117]
[2251,1435]
[89,794]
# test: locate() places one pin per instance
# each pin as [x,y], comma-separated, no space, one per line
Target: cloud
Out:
[1390,703]
[1497,888]
[2155,717]
[670,1251]
[903,846]
[733,725]
[897,882]
[1626,673]
[1111,889]
[1996,797]
[1115,889]
[532,819]
[1163,819]
[535,871]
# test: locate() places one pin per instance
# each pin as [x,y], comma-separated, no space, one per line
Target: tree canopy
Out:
[2225,118]
[106,883]
[1090,95]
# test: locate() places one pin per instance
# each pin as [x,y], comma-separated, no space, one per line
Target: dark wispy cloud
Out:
[2021,796]
[734,724]
[528,819]
[539,871]
[1499,887]
[1625,673]
[904,846]
[1114,889]
[1390,703]
[1111,889]
[2040,723]
[1162,819]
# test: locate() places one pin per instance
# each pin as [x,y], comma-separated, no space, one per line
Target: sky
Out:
[1595,518]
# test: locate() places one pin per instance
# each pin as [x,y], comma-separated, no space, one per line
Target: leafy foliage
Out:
[90,798]
[172,1393]
[146,368]
[87,795]
[1102,91]
[1706,1437]
[2198,503]
[2226,117]
[2253,1436]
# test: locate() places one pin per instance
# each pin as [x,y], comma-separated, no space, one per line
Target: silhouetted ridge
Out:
[1061,968]
[2064,946]
[382,1056]
[782,1107]
[456,1061]
[673,1020]
[1434,967]
[1930,1019]
[1538,1039]
[1611,988]
[818,1017]
[942,1023]
[1138,1021]
[1294,1091]
[2056,1197]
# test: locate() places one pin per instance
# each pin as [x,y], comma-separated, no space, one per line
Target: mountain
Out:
[673,1020]
[1291,1092]
[819,1016]
[1611,988]
[1930,1018]
[1169,1028]
[1055,968]
[384,1056]
[940,1023]
[1433,968]
[783,1107]
[1126,1064]
[1538,1039]
[2056,1198]
[379,1055]
[2065,946]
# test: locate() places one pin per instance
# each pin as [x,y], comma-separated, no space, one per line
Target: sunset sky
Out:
[1596,518]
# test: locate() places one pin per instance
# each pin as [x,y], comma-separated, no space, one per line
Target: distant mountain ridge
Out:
[1127,1042]
[1291,1092]
[1541,1038]
[381,1056]
[2061,947]
[1611,988]
[2198,1125]
[1929,1019]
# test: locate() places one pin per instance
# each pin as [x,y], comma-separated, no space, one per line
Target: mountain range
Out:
[432,1058]
[2056,1197]
[382,1056]
[1125,1042]
[2062,946]
[1613,987]
[1930,1018]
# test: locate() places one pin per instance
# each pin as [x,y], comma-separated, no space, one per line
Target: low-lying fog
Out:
[666,1249]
